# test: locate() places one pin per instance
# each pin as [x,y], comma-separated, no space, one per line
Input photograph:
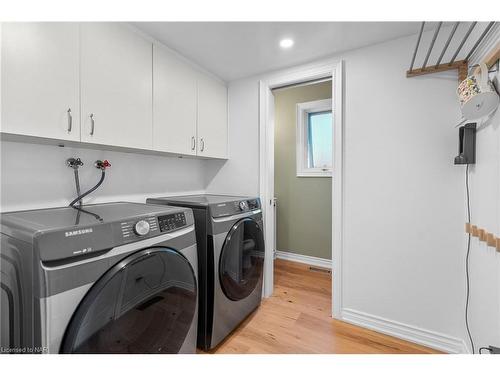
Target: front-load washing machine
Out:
[105,278]
[230,239]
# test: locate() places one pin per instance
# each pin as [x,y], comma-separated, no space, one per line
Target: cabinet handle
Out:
[70,120]
[202,144]
[193,143]
[92,124]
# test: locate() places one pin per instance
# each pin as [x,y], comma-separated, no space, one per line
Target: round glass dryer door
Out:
[242,259]
[144,304]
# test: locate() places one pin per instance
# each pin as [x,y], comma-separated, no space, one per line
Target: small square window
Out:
[320,137]
[315,139]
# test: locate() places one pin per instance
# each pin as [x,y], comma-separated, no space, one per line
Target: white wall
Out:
[485,212]
[36,176]
[403,195]
[404,214]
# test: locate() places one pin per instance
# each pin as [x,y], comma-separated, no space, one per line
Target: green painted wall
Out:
[304,215]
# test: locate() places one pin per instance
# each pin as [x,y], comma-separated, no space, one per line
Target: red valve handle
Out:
[102,164]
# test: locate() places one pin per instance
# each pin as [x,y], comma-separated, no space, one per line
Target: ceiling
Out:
[233,50]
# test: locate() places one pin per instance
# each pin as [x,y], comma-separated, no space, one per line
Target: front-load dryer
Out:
[105,278]
[230,239]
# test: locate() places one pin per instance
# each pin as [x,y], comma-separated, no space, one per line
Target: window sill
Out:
[314,174]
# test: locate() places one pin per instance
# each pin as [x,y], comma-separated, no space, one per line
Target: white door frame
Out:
[328,68]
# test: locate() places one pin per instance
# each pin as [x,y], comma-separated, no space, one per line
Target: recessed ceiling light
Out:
[286,43]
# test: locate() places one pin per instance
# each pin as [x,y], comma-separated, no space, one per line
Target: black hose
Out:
[80,197]
[80,210]
[77,183]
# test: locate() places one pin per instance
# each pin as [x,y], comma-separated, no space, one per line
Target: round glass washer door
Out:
[242,259]
[146,303]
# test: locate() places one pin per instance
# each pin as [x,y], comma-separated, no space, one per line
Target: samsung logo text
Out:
[78,232]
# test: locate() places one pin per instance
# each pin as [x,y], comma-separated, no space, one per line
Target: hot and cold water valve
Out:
[102,164]
[74,163]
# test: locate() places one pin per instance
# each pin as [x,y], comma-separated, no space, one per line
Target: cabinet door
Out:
[174,104]
[212,117]
[40,80]
[116,86]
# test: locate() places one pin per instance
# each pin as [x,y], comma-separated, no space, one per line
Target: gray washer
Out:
[230,239]
[84,280]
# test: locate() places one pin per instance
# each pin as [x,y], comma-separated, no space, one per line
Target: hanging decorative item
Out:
[477,95]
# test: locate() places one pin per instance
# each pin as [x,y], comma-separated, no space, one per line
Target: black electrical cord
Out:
[467,260]
[80,197]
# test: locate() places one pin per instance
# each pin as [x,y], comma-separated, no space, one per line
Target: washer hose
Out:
[76,163]
[81,196]
[77,183]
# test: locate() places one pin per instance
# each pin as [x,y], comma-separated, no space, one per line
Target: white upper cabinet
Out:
[116,86]
[174,103]
[212,117]
[104,83]
[40,80]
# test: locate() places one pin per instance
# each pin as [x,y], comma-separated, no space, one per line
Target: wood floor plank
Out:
[297,319]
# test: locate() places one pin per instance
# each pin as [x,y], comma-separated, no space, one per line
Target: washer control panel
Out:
[172,222]
[139,228]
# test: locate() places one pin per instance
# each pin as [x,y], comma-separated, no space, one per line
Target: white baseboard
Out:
[306,259]
[407,332]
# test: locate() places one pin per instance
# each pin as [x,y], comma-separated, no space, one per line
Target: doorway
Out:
[303,161]
[327,70]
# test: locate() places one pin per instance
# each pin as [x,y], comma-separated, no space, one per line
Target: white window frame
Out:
[302,137]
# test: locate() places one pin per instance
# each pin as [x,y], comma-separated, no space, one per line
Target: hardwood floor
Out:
[296,319]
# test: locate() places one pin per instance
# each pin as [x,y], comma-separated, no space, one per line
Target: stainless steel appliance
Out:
[230,239]
[105,278]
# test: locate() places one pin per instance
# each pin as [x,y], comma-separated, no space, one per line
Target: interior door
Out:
[242,259]
[116,86]
[268,201]
[144,304]
[174,104]
[40,79]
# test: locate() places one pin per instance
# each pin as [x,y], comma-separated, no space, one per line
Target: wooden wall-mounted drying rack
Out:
[483,235]
[461,65]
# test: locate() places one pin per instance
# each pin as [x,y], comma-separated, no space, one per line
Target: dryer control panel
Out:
[246,205]
[234,207]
